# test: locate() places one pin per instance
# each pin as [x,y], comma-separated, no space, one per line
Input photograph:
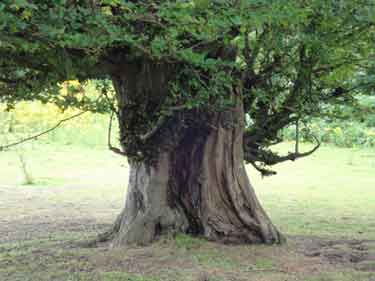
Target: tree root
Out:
[104,237]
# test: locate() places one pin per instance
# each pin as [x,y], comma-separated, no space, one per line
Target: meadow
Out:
[325,204]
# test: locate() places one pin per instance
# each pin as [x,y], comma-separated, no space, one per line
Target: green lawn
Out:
[331,193]
[318,202]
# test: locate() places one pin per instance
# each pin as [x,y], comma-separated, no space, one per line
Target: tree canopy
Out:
[289,60]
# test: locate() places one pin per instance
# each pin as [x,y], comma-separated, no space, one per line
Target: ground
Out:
[325,205]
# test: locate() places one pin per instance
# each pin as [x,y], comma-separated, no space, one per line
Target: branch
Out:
[263,171]
[249,54]
[112,148]
[156,128]
[150,18]
[4,147]
[295,155]
[270,158]
[160,122]
[296,147]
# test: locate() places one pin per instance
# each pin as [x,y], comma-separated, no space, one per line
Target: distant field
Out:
[325,204]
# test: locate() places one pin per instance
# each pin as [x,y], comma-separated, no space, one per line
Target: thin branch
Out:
[296,155]
[112,148]
[111,105]
[160,122]
[58,124]
[265,157]
[296,148]
[150,18]
[156,128]
[263,171]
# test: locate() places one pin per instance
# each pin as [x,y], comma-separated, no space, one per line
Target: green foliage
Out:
[64,40]
[288,60]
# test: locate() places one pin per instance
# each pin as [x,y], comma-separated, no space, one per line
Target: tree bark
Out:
[196,182]
[199,187]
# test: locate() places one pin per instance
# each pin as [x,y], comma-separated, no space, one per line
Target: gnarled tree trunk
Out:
[198,185]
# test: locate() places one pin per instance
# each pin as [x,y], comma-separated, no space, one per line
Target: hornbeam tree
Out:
[200,88]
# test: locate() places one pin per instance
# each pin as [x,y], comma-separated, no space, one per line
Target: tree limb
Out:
[160,122]
[112,148]
[58,124]
[267,157]
[263,171]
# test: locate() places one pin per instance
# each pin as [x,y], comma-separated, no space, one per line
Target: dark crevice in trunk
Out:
[186,176]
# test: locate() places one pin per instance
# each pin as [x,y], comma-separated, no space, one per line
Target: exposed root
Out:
[107,236]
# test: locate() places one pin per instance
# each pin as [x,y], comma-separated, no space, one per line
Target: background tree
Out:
[200,87]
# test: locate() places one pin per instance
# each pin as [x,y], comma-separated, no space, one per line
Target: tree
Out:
[200,87]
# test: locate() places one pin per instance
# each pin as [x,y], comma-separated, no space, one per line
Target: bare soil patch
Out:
[357,254]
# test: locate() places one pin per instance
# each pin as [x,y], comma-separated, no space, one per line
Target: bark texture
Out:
[196,182]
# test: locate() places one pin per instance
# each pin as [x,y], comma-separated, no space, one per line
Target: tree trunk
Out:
[199,187]
[196,182]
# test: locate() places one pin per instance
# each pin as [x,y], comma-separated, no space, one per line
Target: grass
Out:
[78,191]
[332,193]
